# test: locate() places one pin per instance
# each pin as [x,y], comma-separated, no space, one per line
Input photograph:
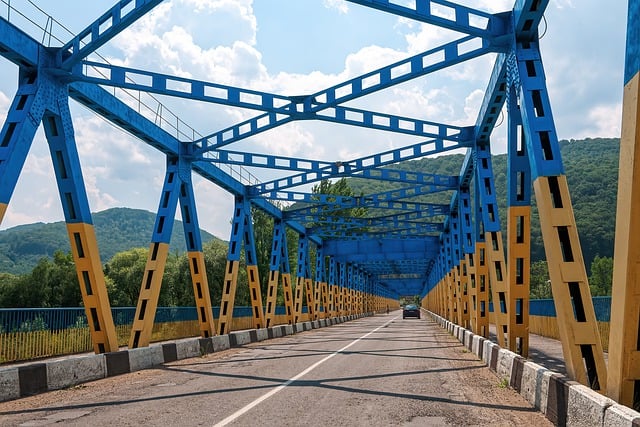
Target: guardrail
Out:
[32,333]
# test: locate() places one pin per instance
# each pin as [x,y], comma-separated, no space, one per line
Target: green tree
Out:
[125,271]
[9,287]
[601,277]
[52,283]
[539,280]
[338,188]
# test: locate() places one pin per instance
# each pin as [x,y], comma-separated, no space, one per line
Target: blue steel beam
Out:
[395,219]
[404,229]
[421,182]
[441,57]
[407,177]
[307,214]
[105,28]
[18,131]
[267,161]
[371,200]
[181,87]
[17,46]
[387,234]
[440,12]
[349,168]
[114,110]
[280,109]
[527,15]
[396,206]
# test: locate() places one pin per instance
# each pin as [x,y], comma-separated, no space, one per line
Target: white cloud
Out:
[340,5]
[603,121]
[5,103]
[215,40]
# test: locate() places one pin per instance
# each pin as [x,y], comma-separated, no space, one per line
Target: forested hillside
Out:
[591,166]
[44,274]
[117,230]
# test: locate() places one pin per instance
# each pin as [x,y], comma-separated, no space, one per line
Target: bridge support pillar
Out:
[241,232]
[577,323]
[624,340]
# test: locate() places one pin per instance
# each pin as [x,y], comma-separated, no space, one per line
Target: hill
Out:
[117,230]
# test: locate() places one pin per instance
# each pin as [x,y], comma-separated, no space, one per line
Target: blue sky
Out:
[297,47]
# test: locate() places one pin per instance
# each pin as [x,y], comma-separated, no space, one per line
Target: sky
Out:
[296,47]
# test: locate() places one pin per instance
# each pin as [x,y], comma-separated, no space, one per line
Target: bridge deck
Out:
[379,370]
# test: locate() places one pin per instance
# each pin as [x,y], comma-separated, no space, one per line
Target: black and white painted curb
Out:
[33,378]
[564,402]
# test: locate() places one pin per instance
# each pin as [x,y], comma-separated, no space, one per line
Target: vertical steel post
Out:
[156,259]
[58,129]
[577,324]
[494,247]
[518,229]
[230,283]
[624,339]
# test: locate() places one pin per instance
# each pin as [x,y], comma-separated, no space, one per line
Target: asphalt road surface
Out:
[375,371]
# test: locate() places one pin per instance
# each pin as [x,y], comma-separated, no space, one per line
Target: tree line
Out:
[593,186]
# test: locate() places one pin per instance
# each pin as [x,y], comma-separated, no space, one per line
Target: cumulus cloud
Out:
[340,5]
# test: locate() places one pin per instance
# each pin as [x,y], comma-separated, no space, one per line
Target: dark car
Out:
[410,310]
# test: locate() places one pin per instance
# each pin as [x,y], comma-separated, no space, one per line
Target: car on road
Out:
[410,310]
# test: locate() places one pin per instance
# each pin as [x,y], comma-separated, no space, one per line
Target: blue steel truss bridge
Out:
[369,249]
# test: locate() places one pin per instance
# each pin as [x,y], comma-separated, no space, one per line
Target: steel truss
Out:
[407,243]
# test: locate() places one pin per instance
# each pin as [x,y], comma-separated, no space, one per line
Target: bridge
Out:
[452,255]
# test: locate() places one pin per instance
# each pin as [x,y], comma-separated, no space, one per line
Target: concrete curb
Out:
[33,378]
[564,402]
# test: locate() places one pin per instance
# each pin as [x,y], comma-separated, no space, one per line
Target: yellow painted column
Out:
[451,315]
[201,292]
[624,339]
[472,293]
[519,255]
[227,302]
[95,298]
[498,285]
[578,329]
[288,297]
[317,299]
[308,286]
[256,296]
[455,272]
[272,297]
[482,289]
[297,301]
[464,293]
[149,294]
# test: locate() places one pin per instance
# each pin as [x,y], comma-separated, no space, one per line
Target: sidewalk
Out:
[544,351]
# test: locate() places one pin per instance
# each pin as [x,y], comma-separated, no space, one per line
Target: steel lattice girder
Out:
[486,33]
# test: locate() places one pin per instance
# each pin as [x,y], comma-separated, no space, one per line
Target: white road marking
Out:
[264,397]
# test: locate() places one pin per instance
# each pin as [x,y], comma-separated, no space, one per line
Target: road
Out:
[375,371]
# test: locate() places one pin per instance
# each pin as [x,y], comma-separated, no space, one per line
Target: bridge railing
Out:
[32,333]
[543,321]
